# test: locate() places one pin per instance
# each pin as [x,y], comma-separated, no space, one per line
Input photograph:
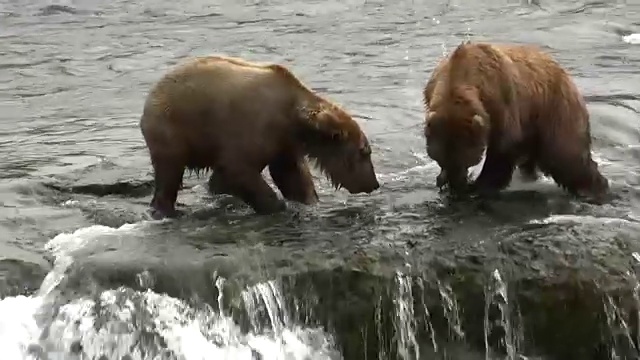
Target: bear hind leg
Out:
[216,184]
[578,175]
[292,176]
[168,174]
[566,157]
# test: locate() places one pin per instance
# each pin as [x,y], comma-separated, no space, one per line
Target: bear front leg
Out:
[216,185]
[250,187]
[441,179]
[292,176]
[496,173]
[167,181]
[528,170]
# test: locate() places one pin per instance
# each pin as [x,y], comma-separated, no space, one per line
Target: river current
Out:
[397,274]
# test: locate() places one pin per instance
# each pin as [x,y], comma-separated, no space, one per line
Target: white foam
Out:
[63,245]
[17,325]
[579,219]
[190,334]
[18,328]
[428,164]
[475,170]
[632,39]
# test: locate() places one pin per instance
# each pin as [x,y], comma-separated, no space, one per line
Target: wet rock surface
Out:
[552,307]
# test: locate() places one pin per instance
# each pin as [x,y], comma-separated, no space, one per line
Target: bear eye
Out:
[434,149]
[427,129]
[365,150]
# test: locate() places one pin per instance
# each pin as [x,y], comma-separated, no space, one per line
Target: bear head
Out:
[456,137]
[339,147]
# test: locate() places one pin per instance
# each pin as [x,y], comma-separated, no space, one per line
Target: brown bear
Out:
[517,103]
[235,118]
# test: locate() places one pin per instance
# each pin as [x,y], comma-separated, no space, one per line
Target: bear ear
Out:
[427,123]
[480,120]
[428,120]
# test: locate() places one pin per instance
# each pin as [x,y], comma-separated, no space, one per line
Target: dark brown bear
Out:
[520,105]
[236,118]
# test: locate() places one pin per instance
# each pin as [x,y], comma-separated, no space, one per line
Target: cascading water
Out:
[625,344]
[451,311]
[126,324]
[405,324]
[405,320]
[427,317]
[265,302]
[265,307]
[500,339]
[498,336]
[503,333]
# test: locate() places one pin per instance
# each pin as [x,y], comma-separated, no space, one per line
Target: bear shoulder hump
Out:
[282,71]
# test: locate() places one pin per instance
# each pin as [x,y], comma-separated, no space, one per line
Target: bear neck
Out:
[315,143]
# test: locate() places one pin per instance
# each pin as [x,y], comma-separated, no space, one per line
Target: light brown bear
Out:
[235,118]
[517,103]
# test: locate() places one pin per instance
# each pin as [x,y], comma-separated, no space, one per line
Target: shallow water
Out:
[398,274]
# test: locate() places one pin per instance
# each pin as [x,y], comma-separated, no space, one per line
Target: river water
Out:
[398,274]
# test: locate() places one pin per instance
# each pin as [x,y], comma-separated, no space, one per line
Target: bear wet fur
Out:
[517,103]
[235,118]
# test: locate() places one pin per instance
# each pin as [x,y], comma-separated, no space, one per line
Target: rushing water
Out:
[398,274]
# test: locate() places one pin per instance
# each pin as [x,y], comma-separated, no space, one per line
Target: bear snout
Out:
[369,185]
[441,179]
[375,186]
